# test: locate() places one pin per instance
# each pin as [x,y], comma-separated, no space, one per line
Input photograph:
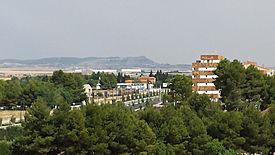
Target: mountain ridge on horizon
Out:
[94,62]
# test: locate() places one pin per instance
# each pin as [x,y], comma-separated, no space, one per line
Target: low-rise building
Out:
[129,81]
[264,70]
[132,86]
[147,80]
[132,72]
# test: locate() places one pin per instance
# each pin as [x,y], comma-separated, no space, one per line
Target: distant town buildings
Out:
[133,86]
[264,70]
[131,71]
[203,76]
[110,71]
[142,83]
[147,79]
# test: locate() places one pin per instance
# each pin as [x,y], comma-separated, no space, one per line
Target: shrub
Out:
[5,148]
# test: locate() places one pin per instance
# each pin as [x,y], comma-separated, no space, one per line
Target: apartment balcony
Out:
[198,80]
[195,73]
[204,65]
[204,88]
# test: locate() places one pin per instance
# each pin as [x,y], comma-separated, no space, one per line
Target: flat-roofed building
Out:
[132,86]
[147,79]
[131,71]
[134,72]
[264,70]
[203,75]
[129,81]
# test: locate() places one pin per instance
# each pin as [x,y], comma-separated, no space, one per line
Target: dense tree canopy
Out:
[121,78]
[231,80]
[70,86]
[22,93]
[106,80]
[241,87]
[115,129]
[181,86]
[195,126]
[161,77]
[104,129]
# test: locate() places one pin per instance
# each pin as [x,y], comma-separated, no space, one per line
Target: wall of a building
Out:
[203,75]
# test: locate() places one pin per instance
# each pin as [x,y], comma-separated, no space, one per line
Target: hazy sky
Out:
[167,31]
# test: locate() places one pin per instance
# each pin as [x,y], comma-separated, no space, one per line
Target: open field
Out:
[7,114]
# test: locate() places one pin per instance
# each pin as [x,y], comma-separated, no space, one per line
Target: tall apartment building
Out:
[203,76]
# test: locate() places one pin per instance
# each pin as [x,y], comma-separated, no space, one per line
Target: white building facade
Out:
[203,75]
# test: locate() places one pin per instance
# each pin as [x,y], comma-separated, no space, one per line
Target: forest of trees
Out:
[242,87]
[106,80]
[160,77]
[195,126]
[243,122]
[22,93]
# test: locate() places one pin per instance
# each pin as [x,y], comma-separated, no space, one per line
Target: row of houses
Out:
[132,72]
[144,83]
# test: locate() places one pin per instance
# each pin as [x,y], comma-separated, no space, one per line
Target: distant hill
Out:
[93,62]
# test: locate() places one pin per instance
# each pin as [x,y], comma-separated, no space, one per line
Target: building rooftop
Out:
[211,57]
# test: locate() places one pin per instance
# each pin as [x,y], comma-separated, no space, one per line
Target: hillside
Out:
[92,62]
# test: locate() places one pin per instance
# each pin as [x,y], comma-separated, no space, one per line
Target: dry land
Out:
[6,115]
